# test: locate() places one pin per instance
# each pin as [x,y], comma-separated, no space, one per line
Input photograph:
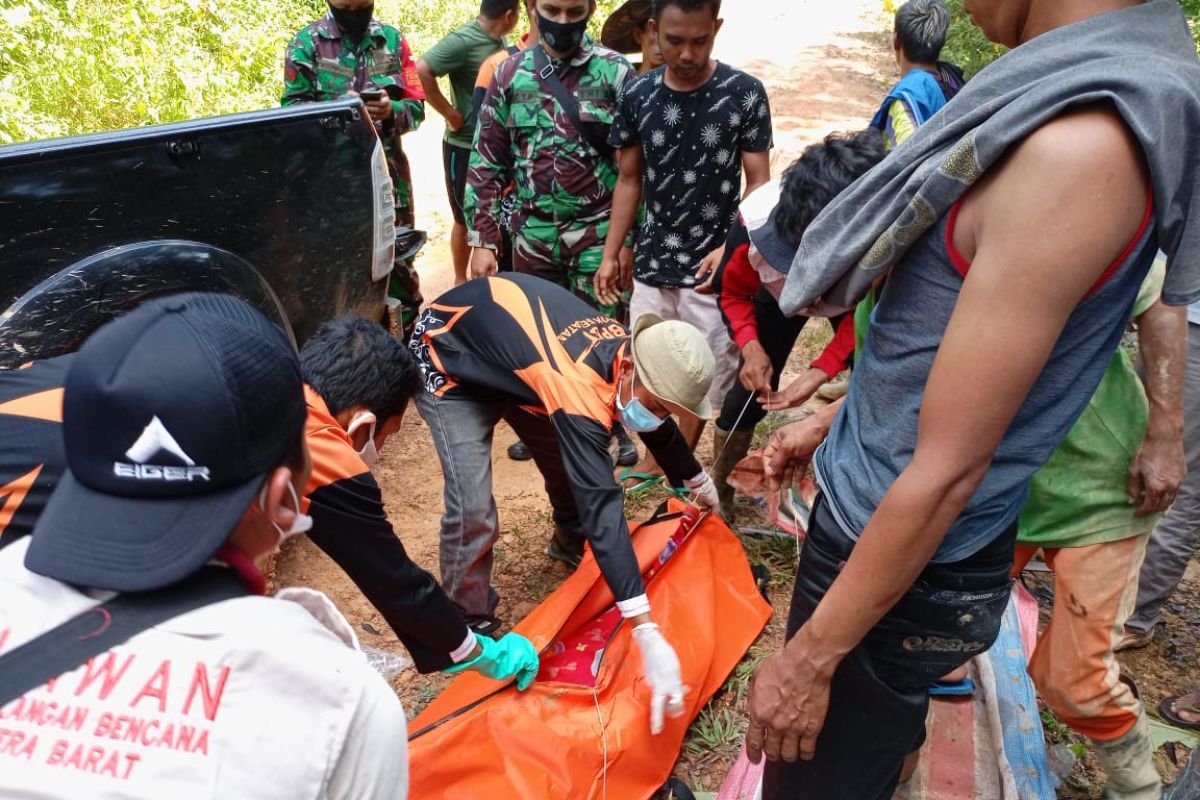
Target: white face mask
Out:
[302,523]
[369,454]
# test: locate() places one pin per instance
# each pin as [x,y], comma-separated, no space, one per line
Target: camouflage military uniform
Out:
[564,187]
[324,64]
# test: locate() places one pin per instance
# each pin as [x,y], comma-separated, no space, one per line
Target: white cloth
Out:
[251,697]
[702,311]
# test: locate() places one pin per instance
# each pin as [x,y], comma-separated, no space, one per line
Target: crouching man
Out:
[525,350]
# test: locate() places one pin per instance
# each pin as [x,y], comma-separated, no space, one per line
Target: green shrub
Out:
[79,66]
[967,47]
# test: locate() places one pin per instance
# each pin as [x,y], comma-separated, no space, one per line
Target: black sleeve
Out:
[738,236]
[672,453]
[351,526]
[601,503]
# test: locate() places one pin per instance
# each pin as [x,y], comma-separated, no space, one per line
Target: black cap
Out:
[172,417]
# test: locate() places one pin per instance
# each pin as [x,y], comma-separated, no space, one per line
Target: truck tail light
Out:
[383,245]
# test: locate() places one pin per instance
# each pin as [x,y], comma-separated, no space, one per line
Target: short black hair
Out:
[495,9]
[350,361]
[821,173]
[687,5]
[921,27]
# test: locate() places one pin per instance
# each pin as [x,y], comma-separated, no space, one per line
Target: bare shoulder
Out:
[1078,184]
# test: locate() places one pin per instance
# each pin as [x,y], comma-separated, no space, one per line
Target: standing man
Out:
[1177,537]
[460,55]
[522,349]
[685,134]
[346,52]
[926,84]
[1016,234]
[545,126]
[183,431]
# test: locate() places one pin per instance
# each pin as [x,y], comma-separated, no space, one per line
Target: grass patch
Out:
[716,729]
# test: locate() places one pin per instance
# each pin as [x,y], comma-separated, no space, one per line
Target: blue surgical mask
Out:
[635,416]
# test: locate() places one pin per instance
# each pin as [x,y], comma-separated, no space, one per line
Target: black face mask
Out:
[562,37]
[353,21]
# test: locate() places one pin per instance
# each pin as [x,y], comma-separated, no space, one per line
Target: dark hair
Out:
[820,175]
[687,5]
[495,9]
[921,27]
[350,361]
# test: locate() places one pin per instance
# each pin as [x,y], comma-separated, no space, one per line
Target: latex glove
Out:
[662,674]
[512,656]
[704,491]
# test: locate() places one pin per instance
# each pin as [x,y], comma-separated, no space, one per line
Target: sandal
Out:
[646,480]
[1169,709]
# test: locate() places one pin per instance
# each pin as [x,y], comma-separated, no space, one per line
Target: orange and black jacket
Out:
[349,522]
[520,339]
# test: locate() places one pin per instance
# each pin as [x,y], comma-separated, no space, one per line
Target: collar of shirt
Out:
[319,413]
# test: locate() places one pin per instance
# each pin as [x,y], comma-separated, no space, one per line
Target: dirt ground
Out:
[825,66]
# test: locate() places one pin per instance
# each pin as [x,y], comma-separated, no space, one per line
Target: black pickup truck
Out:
[289,208]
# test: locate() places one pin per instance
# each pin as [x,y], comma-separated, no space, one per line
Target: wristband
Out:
[465,649]
[634,606]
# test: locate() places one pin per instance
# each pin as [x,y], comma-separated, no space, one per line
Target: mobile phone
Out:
[371,95]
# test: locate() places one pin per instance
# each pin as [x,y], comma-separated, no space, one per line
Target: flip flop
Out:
[1167,708]
[646,480]
[963,688]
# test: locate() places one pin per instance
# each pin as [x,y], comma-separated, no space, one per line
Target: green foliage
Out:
[79,66]
[967,46]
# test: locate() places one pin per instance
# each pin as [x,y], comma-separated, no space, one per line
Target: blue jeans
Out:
[462,426]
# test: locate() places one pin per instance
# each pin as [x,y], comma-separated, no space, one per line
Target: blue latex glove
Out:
[512,656]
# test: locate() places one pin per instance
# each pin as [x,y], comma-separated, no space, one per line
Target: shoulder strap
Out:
[570,106]
[107,625]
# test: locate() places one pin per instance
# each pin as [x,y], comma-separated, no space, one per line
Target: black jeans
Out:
[879,695]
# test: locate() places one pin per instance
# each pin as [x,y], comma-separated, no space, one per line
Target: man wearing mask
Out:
[522,349]
[357,383]
[544,126]
[347,52]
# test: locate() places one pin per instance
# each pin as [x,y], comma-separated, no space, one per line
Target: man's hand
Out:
[1155,474]
[756,371]
[606,279]
[455,120]
[625,269]
[789,698]
[797,393]
[708,270]
[483,262]
[792,447]
[662,674]
[379,110]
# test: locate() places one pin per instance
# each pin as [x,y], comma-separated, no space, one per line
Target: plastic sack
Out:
[565,738]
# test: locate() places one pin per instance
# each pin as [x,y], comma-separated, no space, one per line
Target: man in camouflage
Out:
[564,184]
[344,53]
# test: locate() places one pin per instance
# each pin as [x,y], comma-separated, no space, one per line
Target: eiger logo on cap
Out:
[153,443]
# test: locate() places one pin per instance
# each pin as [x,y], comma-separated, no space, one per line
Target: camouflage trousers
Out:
[572,268]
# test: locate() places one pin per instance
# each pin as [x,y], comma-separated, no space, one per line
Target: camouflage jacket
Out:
[323,64]
[561,181]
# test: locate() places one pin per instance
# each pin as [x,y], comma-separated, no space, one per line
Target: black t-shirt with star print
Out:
[692,143]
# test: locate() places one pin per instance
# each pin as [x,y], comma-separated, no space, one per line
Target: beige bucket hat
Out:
[674,362]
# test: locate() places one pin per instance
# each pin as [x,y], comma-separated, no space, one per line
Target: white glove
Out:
[662,674]
[704,491]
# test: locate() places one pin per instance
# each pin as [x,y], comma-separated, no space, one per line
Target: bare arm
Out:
[1159,466]
[626,196]
[757,167]
[435,98]
[1039,232]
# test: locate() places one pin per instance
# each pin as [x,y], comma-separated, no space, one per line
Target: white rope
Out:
[604,742]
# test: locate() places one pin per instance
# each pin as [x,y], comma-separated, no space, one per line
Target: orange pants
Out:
[1073,666]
